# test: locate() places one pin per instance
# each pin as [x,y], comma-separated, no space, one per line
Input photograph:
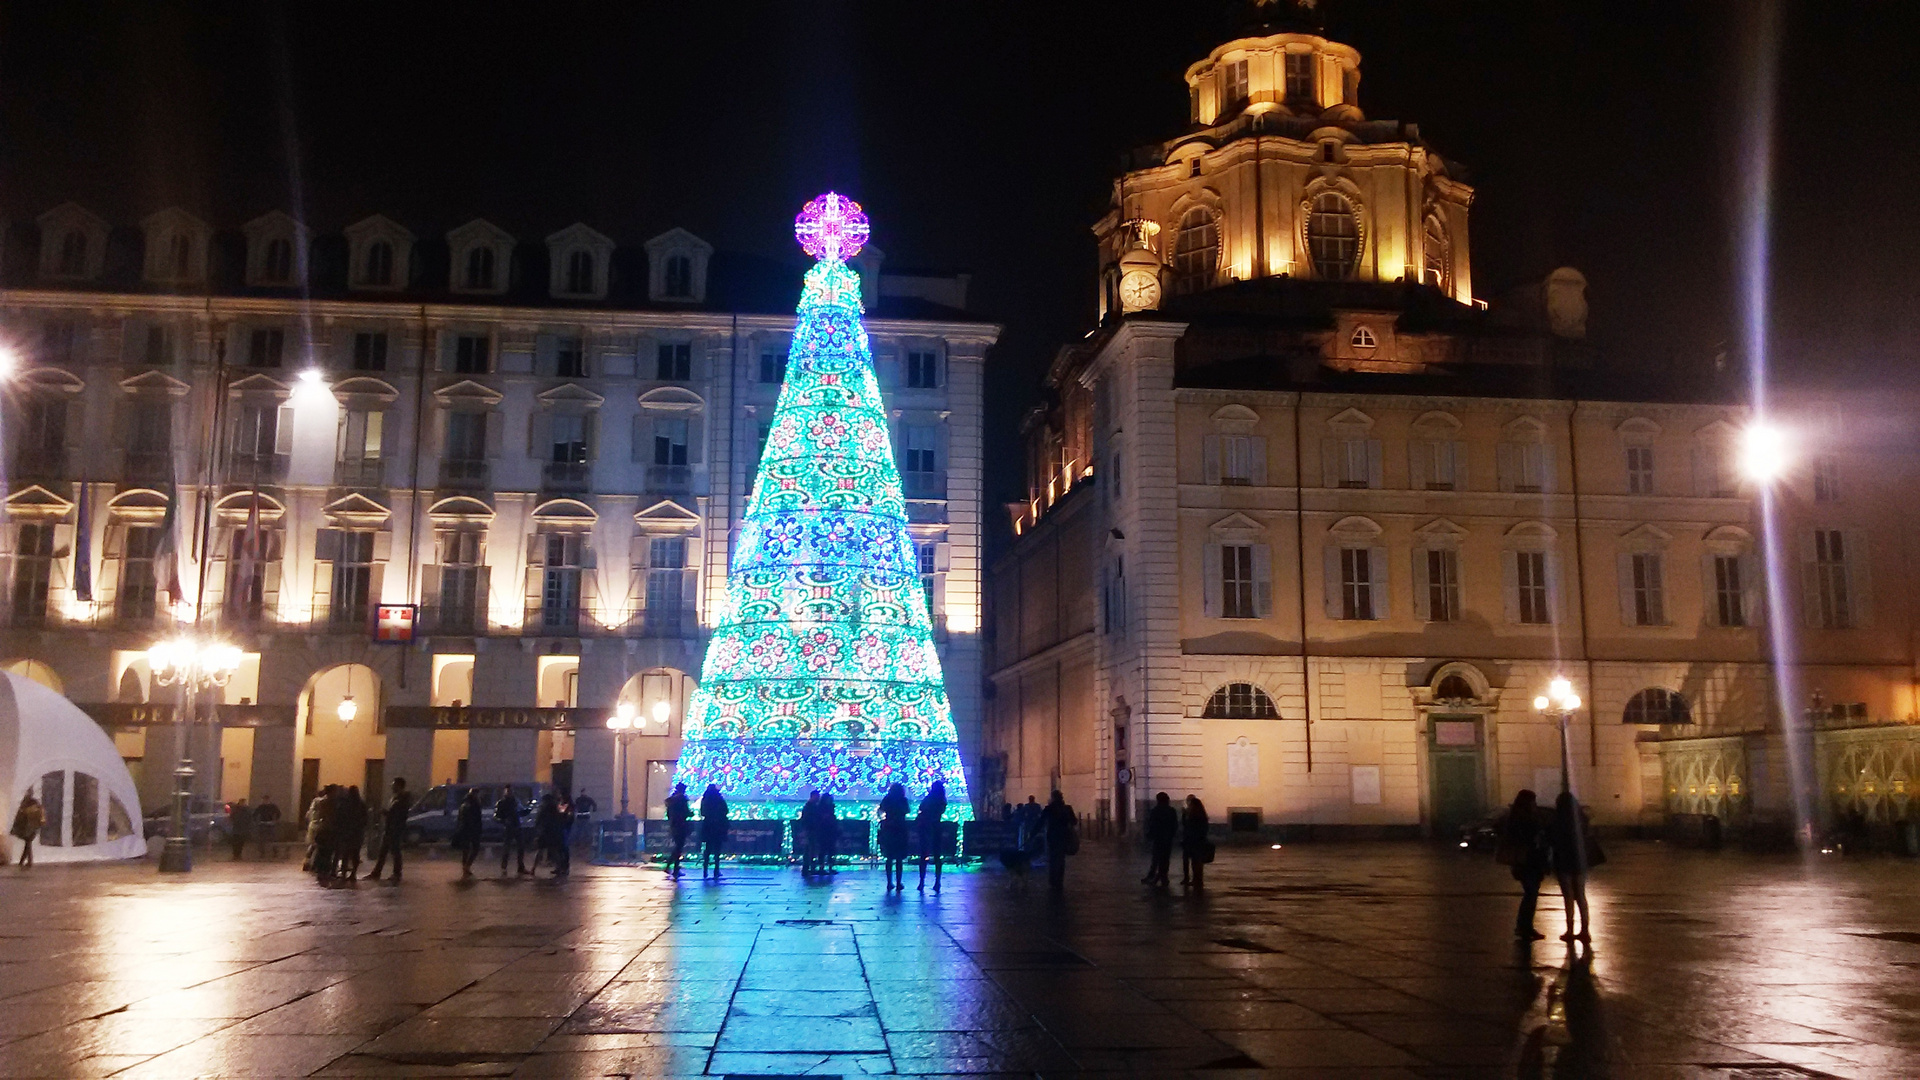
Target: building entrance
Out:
[1456,771]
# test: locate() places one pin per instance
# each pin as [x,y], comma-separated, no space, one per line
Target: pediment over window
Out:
[460,510]
[154,383]
[672,399]
[564,512]
[37,503]
[365,390]
[1525,429]
[1719,430]
[1237,527]
[667,515]
[143,505]
[236,508]
[357,510]
[1646,536]
[1351,420]
[1355,527]
[1236,419]
[51,380]
[1638,427]
[1437,422]
[1532,530]
[73,243]
[468,392]
[571,394]
[1729,540]
[1441,528]
[259,385]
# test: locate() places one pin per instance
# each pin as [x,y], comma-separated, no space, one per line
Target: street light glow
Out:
[347,709]
[1764,452]
[660,711]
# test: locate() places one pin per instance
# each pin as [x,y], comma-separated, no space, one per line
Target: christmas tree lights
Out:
[822,673]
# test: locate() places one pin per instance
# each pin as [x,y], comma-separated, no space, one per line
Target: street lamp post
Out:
[1560,702]
[621,723]
[192,665]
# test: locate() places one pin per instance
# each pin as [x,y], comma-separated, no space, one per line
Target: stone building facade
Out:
[543,447]
[1307,538]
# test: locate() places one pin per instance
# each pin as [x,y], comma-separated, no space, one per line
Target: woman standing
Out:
[932,809]
[1523,848]
[1196,850]
[713,829]
[894,836]
[26,826]
[1574,852]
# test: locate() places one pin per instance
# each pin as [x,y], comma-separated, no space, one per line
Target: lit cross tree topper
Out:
[822,672]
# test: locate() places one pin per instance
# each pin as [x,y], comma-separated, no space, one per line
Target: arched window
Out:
[1240,701]
[1196,251]
[580,272]
[1657,706]
[679,277]
[1436,256]
[1363,338]
[1333,236]
[1454,688]
[279,261]
[73,254]
[480,268]
[180,255]
[379,263]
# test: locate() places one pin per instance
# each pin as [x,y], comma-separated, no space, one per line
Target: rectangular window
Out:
[674,362]
[460,577]
[1440,465]
[1300,81]
[32,571]
[267,348]
[666,584]
[926,558]
[257,436]
[570,356]
[1443,585]
[348,605]
[1355,463]
[360,435]
[560,584]
[471,354]
[138,598]
[1530,578]
[1826,479]
[466,436]
[1233,90]
[1729,591]
[1236,582]
[1833,595]
[1236,459]
[157,352]
[569,439]
[670,442]
[923,370]
[1533,468]
[57,339]
[773,368]
[370,351]
[916,450]
[1649,606]
[1640,470]
[1356,583]
[45,427]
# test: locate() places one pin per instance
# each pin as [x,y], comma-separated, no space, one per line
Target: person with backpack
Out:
[508,813]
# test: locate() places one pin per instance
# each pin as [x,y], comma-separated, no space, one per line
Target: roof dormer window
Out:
[176,248]
[378,269]
[73,254]
[578,259]
[1300,80]
[480,268]
[379,252]
[679,283]
[677,262]
[274,245]
[482,253]
[73,244]
[1363,338]
[580,271]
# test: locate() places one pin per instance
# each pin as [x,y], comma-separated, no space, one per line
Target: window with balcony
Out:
[919,462]
[472,354]
[138,596]
[666,585]
[252,573]
[465,463]
[1524,467]
[357,457]
[1439,465]
[262,438]
[673,362]
[669,442]
[569,356]
[150,440]
[1639,470]
[351,592]
[566,451]
[923,369]
[370,351]
[33,550]
[565,558]
[1352,462]
[41,447]
[773,368]
[461,604]
[267,347]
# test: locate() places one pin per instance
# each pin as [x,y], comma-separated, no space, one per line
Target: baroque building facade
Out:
[1308,526]
[535,454]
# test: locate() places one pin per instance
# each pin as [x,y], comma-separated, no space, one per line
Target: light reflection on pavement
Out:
[1387,959]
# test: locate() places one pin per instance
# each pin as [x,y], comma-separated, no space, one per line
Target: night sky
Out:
[982,137]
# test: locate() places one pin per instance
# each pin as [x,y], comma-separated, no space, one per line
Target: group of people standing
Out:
[817,832]
[552,829]
[336,833]
[1051,832]
[1535,842]
[1190,826]
[897,838]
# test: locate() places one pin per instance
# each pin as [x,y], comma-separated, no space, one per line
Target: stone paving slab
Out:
[1345,961]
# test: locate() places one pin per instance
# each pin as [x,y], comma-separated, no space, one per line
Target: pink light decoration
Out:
[831,228]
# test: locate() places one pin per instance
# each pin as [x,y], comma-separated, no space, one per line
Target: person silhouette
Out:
[932,809]
[679,827]
[713,829]
[894,836]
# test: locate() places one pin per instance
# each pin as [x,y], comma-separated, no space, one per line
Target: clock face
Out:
[1139,289]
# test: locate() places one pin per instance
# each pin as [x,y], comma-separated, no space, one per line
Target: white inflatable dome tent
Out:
[51,748]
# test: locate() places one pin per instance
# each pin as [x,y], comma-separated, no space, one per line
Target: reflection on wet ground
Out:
[1377,960]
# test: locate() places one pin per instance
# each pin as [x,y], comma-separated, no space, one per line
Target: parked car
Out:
[437,810]
[206,821]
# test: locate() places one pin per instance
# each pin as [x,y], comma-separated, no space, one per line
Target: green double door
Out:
[1456,769]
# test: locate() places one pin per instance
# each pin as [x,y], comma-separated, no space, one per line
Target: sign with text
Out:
[470,717]
[135,714]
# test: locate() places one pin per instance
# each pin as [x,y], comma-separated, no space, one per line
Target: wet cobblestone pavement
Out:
[1376,960]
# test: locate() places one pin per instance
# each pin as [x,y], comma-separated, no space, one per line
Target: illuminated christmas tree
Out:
[822,673]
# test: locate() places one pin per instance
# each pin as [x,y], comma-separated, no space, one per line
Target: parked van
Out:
[437,812]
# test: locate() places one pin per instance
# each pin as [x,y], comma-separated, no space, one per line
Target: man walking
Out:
[508,813]
[393,829]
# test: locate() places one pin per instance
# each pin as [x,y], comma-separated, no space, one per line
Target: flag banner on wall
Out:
[83,549]
[822,673]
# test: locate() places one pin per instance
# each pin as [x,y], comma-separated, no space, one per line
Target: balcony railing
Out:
[149,466]
[462,620]
[254,468]
[924,485]
[553,621]
[566,476]
[366,473]
[670,479]
[464,473]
